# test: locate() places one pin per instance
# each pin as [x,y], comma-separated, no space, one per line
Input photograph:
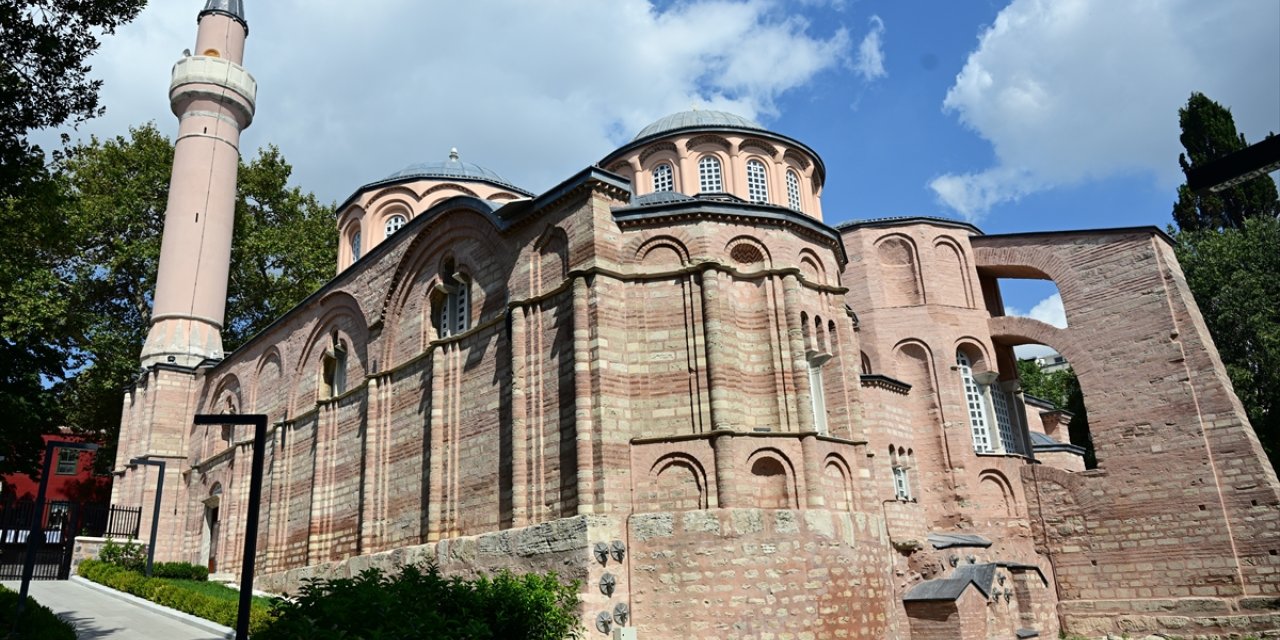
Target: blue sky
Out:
[1016,115]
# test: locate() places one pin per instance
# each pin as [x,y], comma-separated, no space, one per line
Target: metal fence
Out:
[58,525]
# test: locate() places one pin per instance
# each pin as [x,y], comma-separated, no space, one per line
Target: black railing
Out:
[103,521]
[59,524]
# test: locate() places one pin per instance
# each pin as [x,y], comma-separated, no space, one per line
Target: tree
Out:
[1062,388]
[1229,246]
[1209,133]
[285,247]
[44,78]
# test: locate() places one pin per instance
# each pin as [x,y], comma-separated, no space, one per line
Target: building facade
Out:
[668,378]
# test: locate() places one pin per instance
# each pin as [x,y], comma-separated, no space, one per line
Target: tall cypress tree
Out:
[1209,133]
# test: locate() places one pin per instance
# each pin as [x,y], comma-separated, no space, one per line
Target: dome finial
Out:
[453,154]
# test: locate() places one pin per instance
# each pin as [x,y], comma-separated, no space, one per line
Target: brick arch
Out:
[1017,330]
[980,357]
[551,260]
[262,378]
[228,387]
[994,488]
[747,251]
[666,245]
[900,275]
[837,486]
[334,307]
[951,273]
[708,138]
[449,186]
[679,483]
[655,148]
[397,192]
[812,267]
[772,479]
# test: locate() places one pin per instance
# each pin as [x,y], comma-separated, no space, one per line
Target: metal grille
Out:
[394,223]
[1004,420]
[757,183]
[662,178]
[709,175]
[977,408]
[793,190]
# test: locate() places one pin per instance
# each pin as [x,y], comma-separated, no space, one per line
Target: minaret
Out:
[214,99]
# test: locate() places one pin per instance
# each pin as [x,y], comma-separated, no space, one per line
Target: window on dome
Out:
[757,183]
[793,190]
[394,223]
[663,179]
[709,179]
[355,247]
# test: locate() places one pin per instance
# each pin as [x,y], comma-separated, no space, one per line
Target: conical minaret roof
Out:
[233,8]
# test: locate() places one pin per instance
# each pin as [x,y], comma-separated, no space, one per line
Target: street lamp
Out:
[155,516]
[37,519]
[259,423]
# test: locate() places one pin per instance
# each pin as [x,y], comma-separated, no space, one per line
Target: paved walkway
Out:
[104,616]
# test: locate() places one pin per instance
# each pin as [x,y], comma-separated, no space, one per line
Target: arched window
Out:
[793,190]
[1004,420]
[709,178]
[394,223]
[453,313]
[663,178]
[333,369]
[355,246]
[976,404]
[757,182]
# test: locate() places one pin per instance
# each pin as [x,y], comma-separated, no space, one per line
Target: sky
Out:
[1020,115]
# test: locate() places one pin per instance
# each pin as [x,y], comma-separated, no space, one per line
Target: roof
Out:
[697,118]
[952,587]
[895,221]
[232,8]
[452,168]
[949,540]
[1041,443]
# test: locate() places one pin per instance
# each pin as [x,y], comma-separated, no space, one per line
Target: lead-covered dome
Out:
[697,119]
[451,169]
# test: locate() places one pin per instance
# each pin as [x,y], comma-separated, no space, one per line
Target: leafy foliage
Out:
[116,191]
[1209,133]
[130,555]
[1062,388]
[1229,246]
[176,595]
[180,571]
[420,603]
[38,622]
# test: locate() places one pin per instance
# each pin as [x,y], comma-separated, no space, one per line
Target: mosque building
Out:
[667,377]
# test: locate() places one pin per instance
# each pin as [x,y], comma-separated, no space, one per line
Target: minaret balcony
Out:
[196,77]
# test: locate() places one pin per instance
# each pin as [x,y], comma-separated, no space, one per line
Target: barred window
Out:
[977,407]
[709,179]
[757,183]
[663,179]
[793,190]
[901,486]
[394,223]
[453,315]
[1004,420]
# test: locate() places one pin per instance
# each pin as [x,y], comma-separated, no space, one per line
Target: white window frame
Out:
[663,178]
[710,175]
[68,462]
[395,223]
[976,405]
[757,181]
[793,189]
[901,483]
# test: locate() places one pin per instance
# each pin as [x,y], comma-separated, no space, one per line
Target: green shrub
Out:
[175,595]
[131,555]
[180,571]
[420,603]
[38,622]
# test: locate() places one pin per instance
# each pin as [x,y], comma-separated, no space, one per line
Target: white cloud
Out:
[870,62]
[534,91]
[1049,311]
[1068,91]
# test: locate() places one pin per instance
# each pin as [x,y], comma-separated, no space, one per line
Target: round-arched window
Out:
[394,223]
[663,178]
[757,182]
[709,175]
[793,190]
[355,246]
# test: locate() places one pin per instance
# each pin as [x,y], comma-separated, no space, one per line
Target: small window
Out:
[355,247]
[757,182]
[663,178]
[453,315]
[709,178]
[333,375]
[793,190]
[68,461]
[817,393]
[976,404]
[394,223]
[901,484]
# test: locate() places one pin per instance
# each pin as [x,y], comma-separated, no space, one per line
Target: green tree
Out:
[1229,246]
[1062,388]
[1209,133]
[44,82]
[285,248]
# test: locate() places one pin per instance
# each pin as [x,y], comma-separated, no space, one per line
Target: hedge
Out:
[38,622]
[165,593]
[180,571]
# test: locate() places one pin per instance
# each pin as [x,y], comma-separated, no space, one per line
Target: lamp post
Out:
[259,423]
[37,519]
[155,516]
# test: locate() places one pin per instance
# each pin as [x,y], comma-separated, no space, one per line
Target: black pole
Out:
[259,423]
[155,517]
[37,520]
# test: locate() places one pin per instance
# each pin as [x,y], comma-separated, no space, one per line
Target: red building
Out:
[71,478]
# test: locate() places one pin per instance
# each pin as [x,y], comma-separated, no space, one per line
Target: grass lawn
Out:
[215,590]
